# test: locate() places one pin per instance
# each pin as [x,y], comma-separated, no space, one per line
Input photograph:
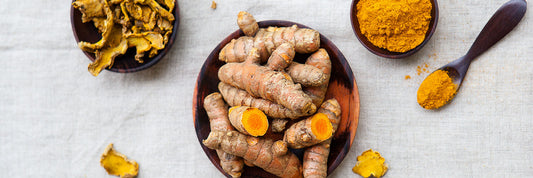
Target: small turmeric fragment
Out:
[213,5]
[248,120]
[370,163]
[118,164]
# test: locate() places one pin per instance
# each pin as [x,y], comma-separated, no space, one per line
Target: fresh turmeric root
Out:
[267,39]
[272,156]
[320,60]
[217,111]
[261,81]
[281,57]
[247,23]
[308,132]
[237,97]
[316,157]
[248,120]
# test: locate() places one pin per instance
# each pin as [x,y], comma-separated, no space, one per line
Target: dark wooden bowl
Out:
[342,86]
[124,63]
[386,53]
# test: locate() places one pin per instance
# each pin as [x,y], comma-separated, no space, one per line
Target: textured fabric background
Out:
[56,118]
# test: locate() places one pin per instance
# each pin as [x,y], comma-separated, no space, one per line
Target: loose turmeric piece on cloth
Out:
[436,90]
[118,164]
[395,25]
[272,156]
[370,163]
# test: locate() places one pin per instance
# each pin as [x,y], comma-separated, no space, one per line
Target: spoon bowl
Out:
[504,20]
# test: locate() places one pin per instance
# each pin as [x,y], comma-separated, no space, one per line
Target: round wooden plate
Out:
[125,63]
[386,53]
[342,86]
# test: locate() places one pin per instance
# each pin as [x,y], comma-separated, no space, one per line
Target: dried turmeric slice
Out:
[141,44]
[118,164]
[105,57]
[89,9]
[370,163]
[156,7]
[108,26]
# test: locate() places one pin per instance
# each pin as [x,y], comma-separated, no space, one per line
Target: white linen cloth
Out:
[56,118]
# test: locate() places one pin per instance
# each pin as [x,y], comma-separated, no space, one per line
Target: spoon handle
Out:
[501,23]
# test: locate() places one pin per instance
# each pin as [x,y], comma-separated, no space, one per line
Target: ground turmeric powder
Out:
[396,25]
[436,90]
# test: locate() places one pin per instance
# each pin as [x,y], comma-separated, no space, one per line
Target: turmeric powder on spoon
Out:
[395,25]
[436,90]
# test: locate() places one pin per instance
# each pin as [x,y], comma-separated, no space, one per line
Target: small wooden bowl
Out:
[386,53]
[125,63]
[342,86]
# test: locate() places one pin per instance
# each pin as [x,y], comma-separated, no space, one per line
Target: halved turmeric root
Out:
[316,157]
[308,132]
[117,164]
[248,120]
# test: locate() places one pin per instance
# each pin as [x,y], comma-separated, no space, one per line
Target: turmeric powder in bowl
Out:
[436,90]
[395,25]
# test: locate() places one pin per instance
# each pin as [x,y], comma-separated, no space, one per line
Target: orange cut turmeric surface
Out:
[118,164]
[370,163]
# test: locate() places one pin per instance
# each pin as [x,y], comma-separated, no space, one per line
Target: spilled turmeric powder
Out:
[436,90]
[395,25]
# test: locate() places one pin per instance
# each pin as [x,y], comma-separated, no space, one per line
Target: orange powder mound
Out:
[436,90]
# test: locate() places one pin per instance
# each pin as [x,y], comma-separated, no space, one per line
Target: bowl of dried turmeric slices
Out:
[275,98]
[124,35]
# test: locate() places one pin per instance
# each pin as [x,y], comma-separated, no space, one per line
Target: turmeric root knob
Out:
[309,132]
[247,23]
[248,120]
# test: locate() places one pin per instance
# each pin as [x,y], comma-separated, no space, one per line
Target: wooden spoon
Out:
[499,25]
